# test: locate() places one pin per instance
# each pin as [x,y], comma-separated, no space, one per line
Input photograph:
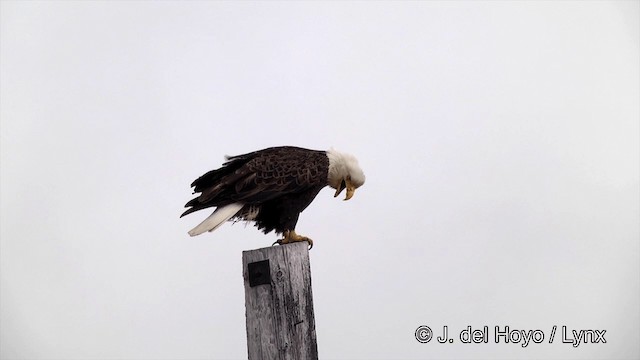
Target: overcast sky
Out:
[500,142]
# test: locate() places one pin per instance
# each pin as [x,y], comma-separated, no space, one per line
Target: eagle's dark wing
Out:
[260,176]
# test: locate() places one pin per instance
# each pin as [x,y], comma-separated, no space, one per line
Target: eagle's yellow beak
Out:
[346,184]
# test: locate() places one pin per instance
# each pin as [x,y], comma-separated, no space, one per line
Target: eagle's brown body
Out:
[274,185]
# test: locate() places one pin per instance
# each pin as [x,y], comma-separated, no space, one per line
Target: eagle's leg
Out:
[290,236]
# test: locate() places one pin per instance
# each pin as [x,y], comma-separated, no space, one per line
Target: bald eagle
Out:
[271,187]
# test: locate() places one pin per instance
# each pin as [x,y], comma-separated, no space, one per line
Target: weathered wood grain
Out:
[279,315]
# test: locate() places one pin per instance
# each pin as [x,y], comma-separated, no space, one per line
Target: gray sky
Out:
[500,142]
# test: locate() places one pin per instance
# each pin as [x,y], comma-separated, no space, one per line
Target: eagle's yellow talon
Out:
[290,236]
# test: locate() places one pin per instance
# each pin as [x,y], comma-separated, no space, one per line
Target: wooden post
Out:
[279,303]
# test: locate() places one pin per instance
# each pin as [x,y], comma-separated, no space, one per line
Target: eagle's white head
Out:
[344,173]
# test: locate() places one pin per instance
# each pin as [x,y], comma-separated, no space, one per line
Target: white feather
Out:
[217,218]
[341,166]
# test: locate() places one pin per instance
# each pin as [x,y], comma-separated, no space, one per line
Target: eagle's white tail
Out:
[217,218]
